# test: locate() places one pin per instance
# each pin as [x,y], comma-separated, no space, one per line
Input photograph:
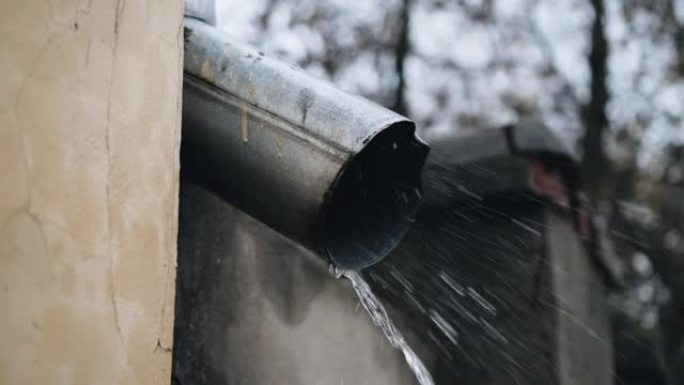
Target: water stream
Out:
[380,318]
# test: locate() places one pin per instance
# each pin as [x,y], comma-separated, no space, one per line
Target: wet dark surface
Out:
[482,268]
[252,307]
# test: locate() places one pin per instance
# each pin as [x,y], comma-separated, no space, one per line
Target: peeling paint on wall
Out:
[89,140]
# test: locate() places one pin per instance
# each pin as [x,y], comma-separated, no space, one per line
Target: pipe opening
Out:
[375,200]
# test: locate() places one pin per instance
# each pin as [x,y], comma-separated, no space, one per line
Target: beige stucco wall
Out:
[89,136]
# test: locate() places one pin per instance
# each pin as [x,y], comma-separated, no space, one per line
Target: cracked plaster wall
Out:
[89,139]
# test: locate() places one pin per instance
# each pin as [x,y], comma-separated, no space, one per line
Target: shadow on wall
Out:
[254,308]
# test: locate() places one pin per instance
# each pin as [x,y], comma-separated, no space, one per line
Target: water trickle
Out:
[380,318]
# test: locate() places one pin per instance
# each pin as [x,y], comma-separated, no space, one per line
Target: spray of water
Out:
[380,318]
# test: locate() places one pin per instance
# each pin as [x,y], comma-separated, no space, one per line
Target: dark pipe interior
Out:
[376,197]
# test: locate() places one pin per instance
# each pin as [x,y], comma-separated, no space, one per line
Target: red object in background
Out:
[548,182]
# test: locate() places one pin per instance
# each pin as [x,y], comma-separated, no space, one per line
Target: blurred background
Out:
[606,76]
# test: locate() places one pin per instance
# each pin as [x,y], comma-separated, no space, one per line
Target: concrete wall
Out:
[585,347]
[254,308]
[89,137]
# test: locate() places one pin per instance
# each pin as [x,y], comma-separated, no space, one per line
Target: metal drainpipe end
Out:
[374,203]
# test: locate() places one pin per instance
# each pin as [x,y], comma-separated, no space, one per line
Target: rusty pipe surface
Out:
[332,171]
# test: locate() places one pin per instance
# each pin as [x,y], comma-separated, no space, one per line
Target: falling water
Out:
[380,318]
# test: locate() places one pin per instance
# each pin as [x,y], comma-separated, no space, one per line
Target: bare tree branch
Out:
[401,51]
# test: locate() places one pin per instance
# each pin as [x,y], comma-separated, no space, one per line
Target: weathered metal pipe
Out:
[335,172]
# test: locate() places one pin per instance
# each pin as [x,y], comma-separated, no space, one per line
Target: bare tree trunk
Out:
[267,13]
[671,20]
[400,52]
[594,118]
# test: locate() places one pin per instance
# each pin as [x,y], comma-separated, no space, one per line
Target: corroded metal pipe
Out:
[332,171]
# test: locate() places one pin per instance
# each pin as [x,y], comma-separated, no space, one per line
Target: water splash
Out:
[380,318]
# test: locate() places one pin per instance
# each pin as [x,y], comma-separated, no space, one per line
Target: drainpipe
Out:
[334,172]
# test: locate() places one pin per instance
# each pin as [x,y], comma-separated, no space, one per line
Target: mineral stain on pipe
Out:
[305,101]
[206,71]
[244,119]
